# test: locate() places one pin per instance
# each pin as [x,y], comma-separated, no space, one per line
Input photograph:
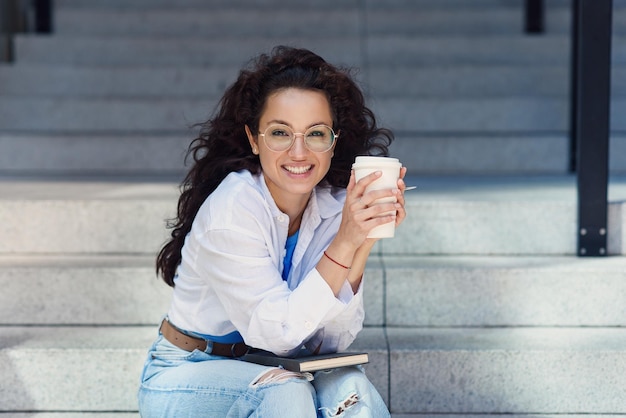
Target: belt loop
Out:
[209,347]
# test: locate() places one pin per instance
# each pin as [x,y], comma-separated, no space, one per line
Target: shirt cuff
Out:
[345,293]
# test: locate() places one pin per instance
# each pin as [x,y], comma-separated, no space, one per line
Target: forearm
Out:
[358,264]
[335,266]
[341,263]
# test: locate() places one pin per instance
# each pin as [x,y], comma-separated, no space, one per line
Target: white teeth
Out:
[298,170]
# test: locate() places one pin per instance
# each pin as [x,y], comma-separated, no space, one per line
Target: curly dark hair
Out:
[222,146]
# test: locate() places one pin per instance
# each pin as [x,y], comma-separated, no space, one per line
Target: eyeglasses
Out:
[318,138]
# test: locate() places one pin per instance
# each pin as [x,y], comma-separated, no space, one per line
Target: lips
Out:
[298,169]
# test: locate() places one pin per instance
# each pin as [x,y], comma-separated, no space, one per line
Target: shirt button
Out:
[308,325]
[281,218]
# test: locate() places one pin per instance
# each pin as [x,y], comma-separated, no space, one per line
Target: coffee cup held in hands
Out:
[390,169]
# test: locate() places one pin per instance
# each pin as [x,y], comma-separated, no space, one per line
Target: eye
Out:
[279,132]
[317,133]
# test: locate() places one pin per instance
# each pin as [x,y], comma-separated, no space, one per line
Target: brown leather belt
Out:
[189,343]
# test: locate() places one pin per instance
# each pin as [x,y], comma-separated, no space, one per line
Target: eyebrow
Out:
[282,122]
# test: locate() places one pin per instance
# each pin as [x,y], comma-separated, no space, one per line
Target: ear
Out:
[253,141]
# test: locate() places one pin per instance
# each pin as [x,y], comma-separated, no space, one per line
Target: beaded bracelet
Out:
[336,262]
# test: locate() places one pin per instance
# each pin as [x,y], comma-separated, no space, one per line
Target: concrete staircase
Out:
[477,307]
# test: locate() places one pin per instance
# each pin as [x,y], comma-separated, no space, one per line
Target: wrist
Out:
[341,255]
[337,262]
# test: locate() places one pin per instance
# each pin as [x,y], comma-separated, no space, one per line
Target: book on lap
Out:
[307,363]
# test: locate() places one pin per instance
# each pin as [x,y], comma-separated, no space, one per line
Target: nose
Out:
[298,148]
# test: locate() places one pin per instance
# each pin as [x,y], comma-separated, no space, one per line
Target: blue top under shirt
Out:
[290,246]
[235,336]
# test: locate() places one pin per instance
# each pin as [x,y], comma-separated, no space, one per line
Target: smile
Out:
[297,170]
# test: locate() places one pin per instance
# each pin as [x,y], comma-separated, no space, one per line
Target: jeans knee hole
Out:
[345,405]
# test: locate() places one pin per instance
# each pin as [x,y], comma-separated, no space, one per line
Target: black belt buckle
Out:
[234,347]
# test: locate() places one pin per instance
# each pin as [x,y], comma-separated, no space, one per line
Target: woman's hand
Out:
[361,213]
[350,248]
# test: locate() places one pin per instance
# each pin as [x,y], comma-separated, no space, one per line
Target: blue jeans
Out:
[177,383]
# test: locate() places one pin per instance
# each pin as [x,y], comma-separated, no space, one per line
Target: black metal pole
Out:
[573,94]
[534,16]
[593,97]
[43,16]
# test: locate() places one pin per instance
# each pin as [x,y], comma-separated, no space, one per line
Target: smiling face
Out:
[292,174]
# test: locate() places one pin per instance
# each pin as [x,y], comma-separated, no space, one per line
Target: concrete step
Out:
[383,50]
[101,154]
[162,154]
[107,290]
[491,291]
[26,80]
[415,20]
[507,370]
[163,115]
[320,22]
[477,50]
[509,154]
[374,5]
[511,115]
[208,22]
[87,217]
[41,365]
[503,215]
[67,81]
[487,154]
[443,291]
[421,370]
[81,290]
[72,368]
[200,4]
[102,115]
[176,52]
[462,21]
[370,4]
[478,81]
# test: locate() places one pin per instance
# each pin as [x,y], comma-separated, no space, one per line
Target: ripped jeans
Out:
[177,383]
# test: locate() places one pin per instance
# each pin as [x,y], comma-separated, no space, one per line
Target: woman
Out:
[269,249]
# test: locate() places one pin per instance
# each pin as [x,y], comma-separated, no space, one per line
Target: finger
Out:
[380,209]
[367,180]
[387,194]
[401,184]
[400,213]
[357,204]
[400,207]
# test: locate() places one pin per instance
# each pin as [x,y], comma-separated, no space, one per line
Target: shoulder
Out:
[236,182]
[238,196]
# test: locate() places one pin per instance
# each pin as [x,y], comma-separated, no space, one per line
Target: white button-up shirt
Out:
[230,279]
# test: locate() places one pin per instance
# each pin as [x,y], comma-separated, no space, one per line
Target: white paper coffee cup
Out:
[390,169]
